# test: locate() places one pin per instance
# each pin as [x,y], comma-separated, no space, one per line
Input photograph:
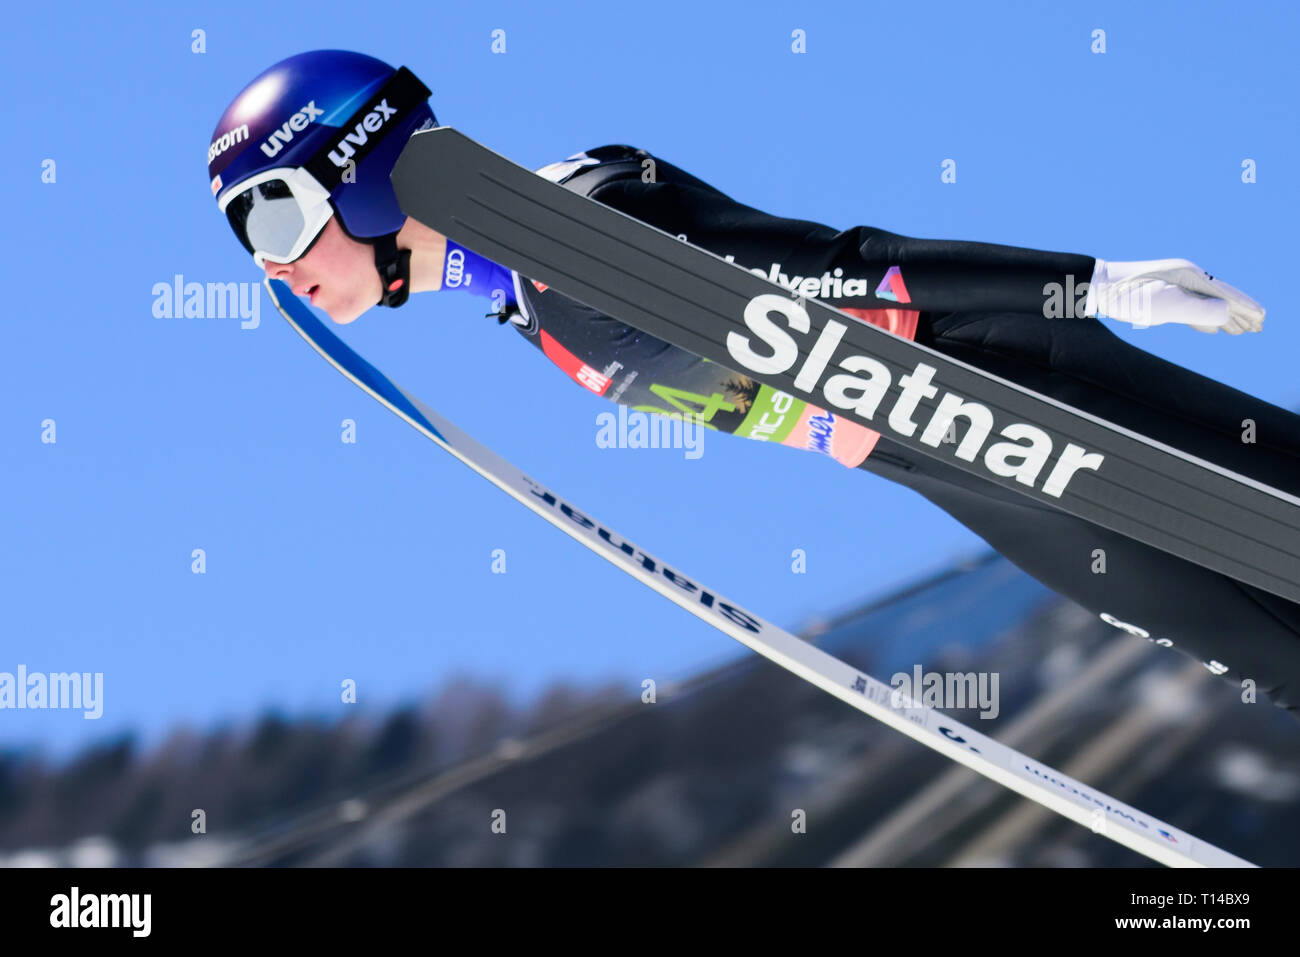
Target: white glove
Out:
[1170,290]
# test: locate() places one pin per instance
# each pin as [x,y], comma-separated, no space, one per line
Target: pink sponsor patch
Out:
[901,322]
[820,431]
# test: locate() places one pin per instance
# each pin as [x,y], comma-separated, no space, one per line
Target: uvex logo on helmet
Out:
[295,124]
[370,123]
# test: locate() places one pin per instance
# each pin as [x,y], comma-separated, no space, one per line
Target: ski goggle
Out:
[278,214]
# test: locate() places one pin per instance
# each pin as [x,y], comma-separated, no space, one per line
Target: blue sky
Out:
[371,561]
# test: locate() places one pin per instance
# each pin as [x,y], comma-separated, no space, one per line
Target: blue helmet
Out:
[315,135]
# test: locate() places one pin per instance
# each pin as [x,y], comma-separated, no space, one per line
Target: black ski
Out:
[690,297]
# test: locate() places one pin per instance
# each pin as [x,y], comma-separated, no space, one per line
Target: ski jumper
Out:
[984,305]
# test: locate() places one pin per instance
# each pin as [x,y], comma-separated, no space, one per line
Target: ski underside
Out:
[663,285]
[1016,771]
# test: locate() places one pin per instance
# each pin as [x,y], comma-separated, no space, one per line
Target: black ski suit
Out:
[982,304]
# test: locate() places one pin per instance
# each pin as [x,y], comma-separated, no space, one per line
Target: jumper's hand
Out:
[1170,290]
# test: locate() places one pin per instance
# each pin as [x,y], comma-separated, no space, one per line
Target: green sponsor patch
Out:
[772,415]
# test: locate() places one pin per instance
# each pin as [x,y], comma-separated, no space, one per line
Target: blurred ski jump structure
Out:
[1018,772]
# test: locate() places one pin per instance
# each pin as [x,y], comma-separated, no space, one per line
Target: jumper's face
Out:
[337,273]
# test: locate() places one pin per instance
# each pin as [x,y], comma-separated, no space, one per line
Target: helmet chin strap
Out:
[394,267]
